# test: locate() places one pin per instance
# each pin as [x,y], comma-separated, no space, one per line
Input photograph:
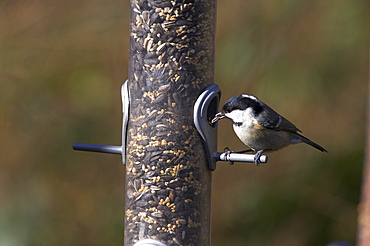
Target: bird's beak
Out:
[217,117]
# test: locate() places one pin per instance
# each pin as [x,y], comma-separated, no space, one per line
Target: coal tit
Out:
[259,127]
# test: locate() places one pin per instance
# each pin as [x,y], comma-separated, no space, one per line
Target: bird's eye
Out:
[227,111]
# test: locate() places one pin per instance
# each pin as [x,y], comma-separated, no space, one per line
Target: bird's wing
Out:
[274,121]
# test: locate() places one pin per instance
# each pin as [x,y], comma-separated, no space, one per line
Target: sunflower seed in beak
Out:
[217,117]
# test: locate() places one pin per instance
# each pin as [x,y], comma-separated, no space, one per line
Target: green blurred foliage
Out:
[62,64]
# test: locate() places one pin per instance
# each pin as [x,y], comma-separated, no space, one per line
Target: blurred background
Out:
[61,67]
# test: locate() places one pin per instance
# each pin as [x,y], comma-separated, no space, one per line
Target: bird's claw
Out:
[257,156]
[227,151]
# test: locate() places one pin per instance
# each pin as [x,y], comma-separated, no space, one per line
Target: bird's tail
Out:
[307,141]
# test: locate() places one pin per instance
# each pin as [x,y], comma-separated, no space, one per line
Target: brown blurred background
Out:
[61,67]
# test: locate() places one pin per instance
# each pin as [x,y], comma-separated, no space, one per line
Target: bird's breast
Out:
[257,137]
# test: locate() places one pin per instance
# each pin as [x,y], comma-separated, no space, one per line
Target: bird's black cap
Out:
[242,102]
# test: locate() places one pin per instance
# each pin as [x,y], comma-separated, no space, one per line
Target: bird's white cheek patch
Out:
[235,115]
[243,116]
[240,115]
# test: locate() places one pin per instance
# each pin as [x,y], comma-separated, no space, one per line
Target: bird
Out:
[260,127]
